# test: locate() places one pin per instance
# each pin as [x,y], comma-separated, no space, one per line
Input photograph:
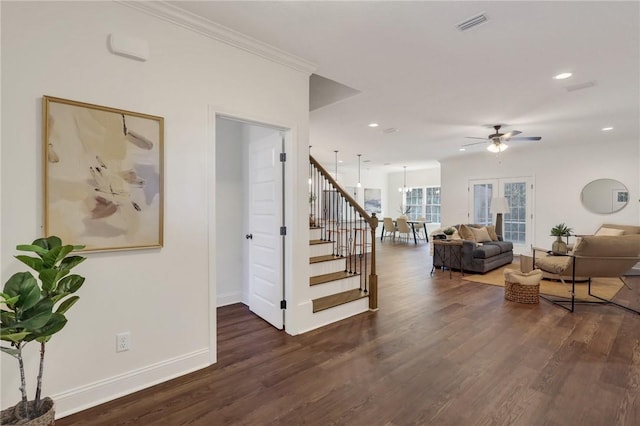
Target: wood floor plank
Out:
[439,351]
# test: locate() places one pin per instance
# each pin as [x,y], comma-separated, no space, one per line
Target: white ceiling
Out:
[418,73]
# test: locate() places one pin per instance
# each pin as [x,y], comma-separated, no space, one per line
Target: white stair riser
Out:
[340,312]
[333,287]
[327,267]
[320,249]
[315,233]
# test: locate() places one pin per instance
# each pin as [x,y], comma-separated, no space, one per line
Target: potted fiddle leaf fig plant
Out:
[33,309]
[559,231]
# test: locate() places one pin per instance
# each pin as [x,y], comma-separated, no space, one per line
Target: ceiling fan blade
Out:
[526,138]
[476,143]
[511,134]
[473,137]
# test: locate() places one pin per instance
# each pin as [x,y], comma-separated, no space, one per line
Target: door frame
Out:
[499,187]
[289,130]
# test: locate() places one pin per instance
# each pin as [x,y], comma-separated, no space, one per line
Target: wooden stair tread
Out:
[315,242]
[334,276]
[325,258]
[337,299]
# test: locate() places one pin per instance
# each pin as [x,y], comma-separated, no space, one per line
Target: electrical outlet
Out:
[123,341]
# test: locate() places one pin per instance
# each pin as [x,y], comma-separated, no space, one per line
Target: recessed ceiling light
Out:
[563,75]
[606,129]
[339,161]
[462,149]
[373,124]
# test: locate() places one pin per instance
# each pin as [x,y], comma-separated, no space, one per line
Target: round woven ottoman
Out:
[522,287]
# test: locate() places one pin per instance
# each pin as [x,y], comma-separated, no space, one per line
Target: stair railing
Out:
[347,225]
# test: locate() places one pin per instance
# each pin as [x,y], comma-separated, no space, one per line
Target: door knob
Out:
[249,236]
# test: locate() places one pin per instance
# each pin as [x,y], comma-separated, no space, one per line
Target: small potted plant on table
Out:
[35,310]
[559,231]
[449,232]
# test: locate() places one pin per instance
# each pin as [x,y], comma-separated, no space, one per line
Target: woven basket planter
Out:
[522,293]
[522,287]
[13,415]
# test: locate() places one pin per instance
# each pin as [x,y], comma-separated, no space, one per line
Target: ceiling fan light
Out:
[497,147]
[563,76]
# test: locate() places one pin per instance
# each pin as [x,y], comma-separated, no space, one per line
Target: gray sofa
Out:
[477,257]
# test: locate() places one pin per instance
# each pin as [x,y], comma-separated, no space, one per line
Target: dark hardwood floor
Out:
[439,351]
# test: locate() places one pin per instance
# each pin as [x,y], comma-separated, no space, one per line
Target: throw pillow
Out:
[481,235]
[465,233]
[456,236]
[492,233]
[609,231]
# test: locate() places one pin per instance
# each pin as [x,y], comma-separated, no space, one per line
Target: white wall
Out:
[161,296]
[229,207]
[559,174]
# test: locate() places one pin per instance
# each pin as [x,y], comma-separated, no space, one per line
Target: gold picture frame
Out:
[103,175]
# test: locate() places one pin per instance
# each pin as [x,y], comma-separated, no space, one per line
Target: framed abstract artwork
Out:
[103,175]
[373,200]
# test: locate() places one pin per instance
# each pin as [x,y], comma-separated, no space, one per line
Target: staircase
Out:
[342,276]
[332,284]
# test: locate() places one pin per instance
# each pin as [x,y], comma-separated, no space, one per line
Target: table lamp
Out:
[499,206]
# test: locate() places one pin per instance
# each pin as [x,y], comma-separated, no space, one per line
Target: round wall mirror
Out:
[604,196]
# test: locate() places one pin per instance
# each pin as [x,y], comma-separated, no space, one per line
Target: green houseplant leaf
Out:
[32,262]
[25,286]
[561,230]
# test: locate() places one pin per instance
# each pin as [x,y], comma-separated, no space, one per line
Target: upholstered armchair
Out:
[594,256]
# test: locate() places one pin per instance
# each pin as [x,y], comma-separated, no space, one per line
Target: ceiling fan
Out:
[497,140]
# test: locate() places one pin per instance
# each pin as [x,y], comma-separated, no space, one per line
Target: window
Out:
[482,194]
[414,201]
[515,222]
[424,203]
[433,204]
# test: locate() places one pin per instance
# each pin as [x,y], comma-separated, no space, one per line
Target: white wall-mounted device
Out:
[129,47]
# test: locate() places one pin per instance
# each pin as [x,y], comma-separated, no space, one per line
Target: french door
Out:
[518,221]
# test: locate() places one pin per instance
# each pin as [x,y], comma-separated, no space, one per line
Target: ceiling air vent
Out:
[472,22]
[580,86]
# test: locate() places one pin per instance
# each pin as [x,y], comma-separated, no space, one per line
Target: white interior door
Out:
[265,219]
[518,223]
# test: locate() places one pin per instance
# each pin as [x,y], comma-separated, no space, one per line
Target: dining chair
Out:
[404,228]
[389,228]
[418,225]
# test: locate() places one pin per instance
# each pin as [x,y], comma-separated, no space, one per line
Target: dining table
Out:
[413,224]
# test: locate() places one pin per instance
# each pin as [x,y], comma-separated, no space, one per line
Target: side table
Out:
[450,254]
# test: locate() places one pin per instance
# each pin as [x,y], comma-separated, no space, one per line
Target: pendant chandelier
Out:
[359,184]
[404,182]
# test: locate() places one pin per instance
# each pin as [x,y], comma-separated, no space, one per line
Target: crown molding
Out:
[200,25]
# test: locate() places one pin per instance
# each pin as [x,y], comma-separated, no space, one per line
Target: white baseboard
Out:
[96,393]
[229,298]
